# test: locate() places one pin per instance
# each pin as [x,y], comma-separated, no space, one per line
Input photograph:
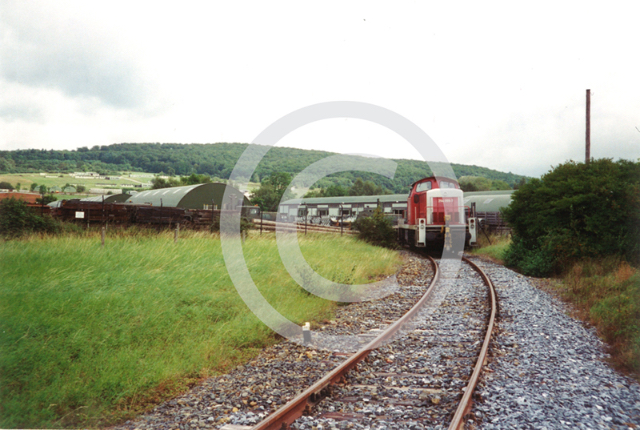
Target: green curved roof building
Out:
[198,196]
[112,198]
[488,201]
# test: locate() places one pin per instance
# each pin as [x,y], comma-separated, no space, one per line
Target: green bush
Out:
[575,211]
[16,219]
[376,229]
[46,199]
[245,224]
[533,262]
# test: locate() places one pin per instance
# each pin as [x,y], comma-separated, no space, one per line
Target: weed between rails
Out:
[492,246]
[93,335]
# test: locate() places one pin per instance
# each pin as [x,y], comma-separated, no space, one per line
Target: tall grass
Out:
[90,335]
[607,293]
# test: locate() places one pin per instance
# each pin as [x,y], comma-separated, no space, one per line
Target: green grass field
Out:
[90,335]
[127,180]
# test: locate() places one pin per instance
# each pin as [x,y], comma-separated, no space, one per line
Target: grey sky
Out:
[499,85]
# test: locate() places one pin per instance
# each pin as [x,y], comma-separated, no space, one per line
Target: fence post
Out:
[260,221]
[103,231]
[212,215]
[175,234]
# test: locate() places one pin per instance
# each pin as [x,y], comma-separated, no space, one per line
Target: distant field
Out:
[60,179]
[128,180]
[91,335]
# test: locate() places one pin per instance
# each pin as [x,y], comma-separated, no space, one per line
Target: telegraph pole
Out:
[587,155]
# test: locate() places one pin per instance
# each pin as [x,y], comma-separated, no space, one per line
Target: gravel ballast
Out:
[548,370]
[415,382]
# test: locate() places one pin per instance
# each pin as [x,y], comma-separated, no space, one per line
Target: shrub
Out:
[16,218]
[245,224]
[575,211]
[376,229]
[46,199]
[533,262]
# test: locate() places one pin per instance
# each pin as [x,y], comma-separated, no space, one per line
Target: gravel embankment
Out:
[548,371]
[415,382]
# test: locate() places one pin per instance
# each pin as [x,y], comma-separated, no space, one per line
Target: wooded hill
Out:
[216,160]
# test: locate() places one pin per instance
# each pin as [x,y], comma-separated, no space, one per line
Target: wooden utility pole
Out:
[587,156]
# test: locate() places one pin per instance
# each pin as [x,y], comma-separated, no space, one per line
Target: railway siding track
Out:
[421,379]
[416,381]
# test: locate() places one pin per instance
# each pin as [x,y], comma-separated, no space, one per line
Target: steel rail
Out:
[464,407]
[284,416]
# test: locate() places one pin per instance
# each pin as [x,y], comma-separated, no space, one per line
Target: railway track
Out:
[300,227]
[413,380]
[419,372]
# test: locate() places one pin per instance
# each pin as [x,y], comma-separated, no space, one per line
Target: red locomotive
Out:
[436,216]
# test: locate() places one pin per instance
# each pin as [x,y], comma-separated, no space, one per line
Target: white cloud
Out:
[43,47]
[498,85]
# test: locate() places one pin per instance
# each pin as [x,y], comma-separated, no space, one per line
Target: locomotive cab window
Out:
[423,186]
[447,184]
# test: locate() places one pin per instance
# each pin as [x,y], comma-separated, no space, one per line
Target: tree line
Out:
[217,161]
